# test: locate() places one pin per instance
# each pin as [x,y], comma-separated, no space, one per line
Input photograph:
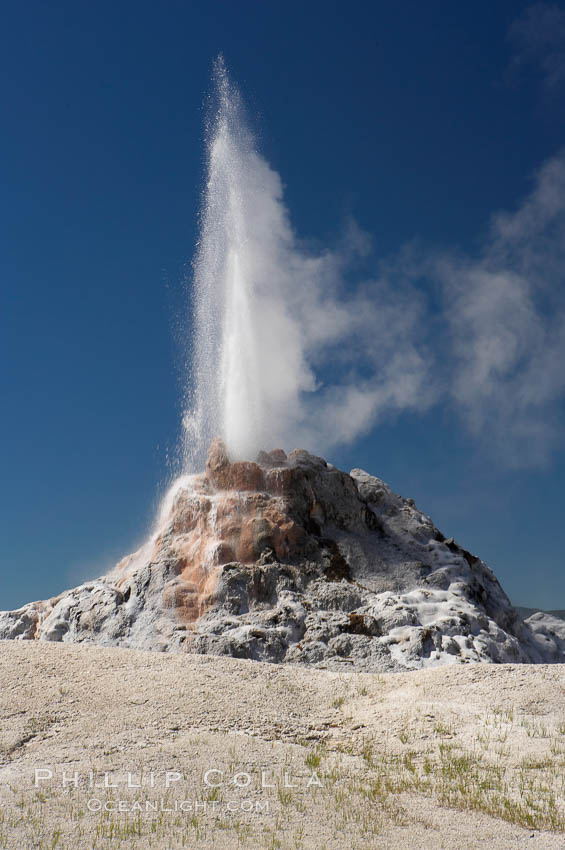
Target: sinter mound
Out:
[288,559]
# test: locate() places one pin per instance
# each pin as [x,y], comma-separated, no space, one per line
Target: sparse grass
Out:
[513,769]
[443,730]
[284,795]
[313,759]
[466,780]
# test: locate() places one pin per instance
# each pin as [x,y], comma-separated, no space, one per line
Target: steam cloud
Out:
[269,315]
[285,353]
[506,314]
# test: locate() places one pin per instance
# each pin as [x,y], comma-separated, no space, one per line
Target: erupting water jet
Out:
[248,366]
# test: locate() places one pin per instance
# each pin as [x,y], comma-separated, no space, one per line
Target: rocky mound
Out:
[288,559]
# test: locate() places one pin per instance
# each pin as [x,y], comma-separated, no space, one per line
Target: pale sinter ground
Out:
[459,757]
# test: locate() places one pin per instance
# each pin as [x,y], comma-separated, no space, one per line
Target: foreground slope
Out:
[465,756]
[291,560]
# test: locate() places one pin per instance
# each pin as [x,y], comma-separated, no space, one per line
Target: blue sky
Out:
[419,121]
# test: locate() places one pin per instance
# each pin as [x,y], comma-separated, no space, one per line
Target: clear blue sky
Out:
[421,120]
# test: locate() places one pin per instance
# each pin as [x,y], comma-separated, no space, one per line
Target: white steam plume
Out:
[287,354]
[270,316]
[505,311]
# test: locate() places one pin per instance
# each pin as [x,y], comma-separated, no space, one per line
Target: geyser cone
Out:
[287,559]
